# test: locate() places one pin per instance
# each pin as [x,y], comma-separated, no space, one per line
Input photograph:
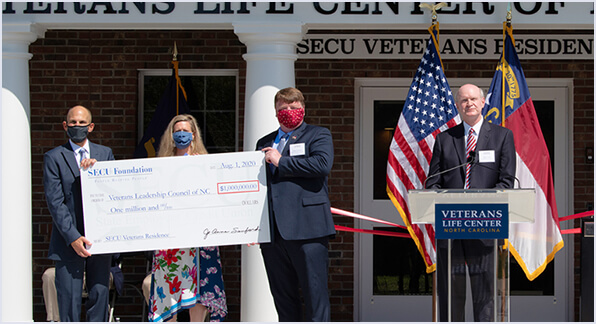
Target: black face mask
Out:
[77,133]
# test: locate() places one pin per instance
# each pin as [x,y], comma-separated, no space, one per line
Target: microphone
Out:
[470,160]
[497,171]
[472,157]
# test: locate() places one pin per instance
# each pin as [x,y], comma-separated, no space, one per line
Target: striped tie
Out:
[470,146]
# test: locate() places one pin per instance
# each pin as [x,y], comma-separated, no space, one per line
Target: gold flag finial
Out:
[433,9]
[509,14]
[175,53]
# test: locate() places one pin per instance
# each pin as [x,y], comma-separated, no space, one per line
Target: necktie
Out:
[282,143]
[470,146]
[81,155]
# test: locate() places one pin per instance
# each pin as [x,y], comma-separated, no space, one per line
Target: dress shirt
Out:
[281,133]
[475,127]
[76,149]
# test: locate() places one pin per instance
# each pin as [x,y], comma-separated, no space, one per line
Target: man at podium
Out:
[486,154]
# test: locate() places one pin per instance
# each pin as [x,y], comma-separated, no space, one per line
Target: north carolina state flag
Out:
[509,104]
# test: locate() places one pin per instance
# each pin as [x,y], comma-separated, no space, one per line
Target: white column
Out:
[15,175]
[270,57]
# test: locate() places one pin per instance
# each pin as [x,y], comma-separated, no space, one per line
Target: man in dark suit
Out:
[494,168]
[299,158]
[62,187]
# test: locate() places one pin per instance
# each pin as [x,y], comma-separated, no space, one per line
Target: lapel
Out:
[296,134]
[459,142]
[270,139]
[70,159]
[484,136]
[95,153]
[268,142]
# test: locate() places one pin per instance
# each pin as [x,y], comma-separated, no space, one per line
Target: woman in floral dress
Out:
[188,278]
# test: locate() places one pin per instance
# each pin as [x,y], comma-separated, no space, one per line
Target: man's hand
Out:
[272,155]
[87,163]
[79,246]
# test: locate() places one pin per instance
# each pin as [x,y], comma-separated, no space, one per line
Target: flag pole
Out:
[175,63]
[434,24]
[505,261]
[433,10]
[175,53]
[506,25]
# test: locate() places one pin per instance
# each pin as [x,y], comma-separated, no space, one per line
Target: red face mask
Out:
[290,118]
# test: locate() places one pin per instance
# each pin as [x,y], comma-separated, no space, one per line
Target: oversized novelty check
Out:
[175,202]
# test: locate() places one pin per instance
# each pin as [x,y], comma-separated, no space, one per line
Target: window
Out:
[212,96]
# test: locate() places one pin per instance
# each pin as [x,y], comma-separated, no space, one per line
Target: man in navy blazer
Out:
[299,158]
[494,167]
[62,185]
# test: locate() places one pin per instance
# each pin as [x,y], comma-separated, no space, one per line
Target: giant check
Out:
[175,202]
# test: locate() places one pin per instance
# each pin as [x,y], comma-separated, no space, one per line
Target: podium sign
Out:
[520,201]
[481,215]
[471,221]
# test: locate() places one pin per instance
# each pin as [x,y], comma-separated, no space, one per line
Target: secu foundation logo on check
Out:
[103,172]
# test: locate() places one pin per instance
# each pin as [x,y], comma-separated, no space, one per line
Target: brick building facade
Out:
[98,68]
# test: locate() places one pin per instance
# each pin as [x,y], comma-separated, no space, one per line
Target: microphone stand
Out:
[475,162]
[471,159]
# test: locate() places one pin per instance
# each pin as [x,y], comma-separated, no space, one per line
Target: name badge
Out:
[297,149]
[486,156]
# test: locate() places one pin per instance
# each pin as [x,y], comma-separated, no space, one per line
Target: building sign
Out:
[471,221]
[403,46]
[316,15]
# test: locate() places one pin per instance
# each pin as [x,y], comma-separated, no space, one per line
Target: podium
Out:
[470,225]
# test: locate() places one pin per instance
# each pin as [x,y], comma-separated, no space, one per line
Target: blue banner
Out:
[471,221]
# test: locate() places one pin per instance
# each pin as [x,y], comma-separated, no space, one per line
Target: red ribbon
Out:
[368,218]
[374,232]
[580,215]
[575,230]
[572,231]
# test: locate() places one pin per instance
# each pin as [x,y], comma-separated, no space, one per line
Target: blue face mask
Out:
[182,139]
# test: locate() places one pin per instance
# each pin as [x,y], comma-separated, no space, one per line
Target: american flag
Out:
[509,103]
[429,109]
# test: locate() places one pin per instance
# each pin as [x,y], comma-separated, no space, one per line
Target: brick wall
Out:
[99,70]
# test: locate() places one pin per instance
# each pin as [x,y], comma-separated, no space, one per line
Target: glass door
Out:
[393,282]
